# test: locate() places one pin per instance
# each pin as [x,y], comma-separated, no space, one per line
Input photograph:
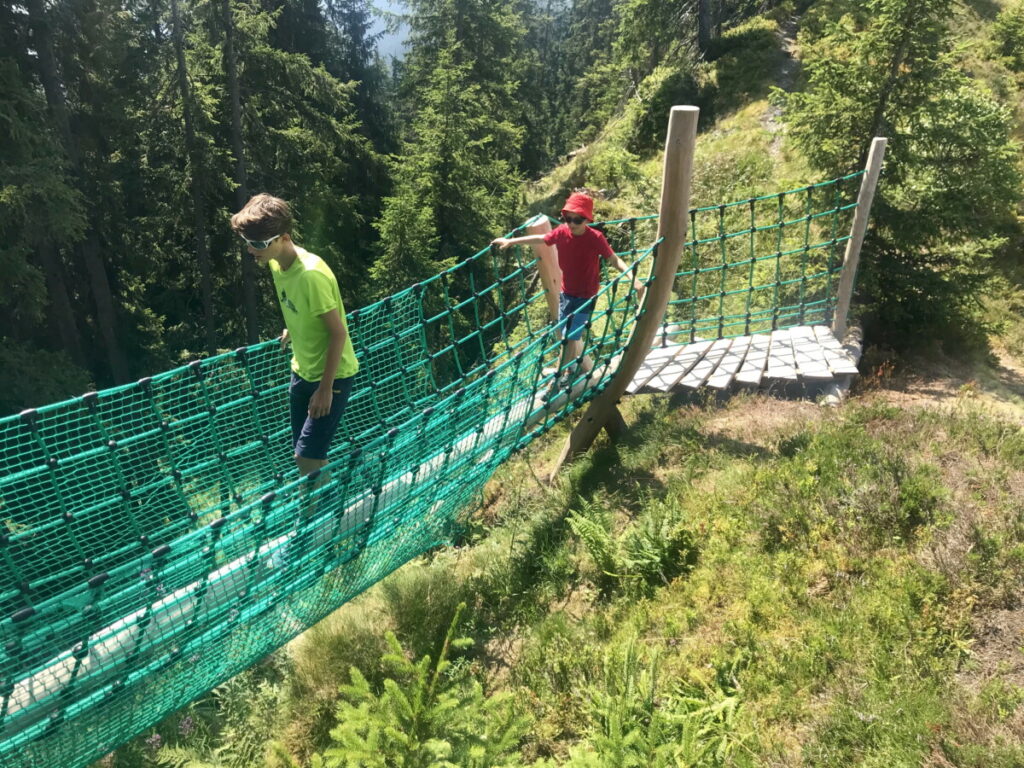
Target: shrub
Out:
[427,714]
[1008,33]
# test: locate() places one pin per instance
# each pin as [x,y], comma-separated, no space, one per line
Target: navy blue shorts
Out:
[312,437]
[579,310]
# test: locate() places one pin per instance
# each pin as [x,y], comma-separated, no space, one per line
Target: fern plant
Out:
[658,547]
[629,727]
[232,728]
[600,544]
[427,715]
[653,550]
[639,724]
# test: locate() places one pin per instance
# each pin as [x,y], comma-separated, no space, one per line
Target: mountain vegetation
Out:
[749,584]
[131,131]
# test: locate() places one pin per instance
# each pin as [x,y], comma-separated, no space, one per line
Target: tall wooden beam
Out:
[547,264]
[868,183]
[673,219]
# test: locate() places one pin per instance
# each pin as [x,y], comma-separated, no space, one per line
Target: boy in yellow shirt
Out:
[323,359]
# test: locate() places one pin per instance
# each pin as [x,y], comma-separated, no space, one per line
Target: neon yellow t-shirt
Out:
[306,290]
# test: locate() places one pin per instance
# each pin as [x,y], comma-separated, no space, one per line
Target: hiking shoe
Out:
[559,386]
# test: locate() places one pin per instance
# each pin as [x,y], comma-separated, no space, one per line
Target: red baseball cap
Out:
[580,204]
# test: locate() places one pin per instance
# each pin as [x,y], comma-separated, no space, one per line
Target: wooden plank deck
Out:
[781,360]
[701,370]
[687,356]
[839,362]
[810,357]
[755,361]
[805,354]
[658,358]
[731,362]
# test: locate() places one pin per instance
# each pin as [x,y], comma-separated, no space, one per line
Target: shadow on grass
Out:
[519,586]
[738,448]
[606,470]
[986,9]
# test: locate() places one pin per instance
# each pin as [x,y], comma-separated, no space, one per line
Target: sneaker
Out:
[559,386]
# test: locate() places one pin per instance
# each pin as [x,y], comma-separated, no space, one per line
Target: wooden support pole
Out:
[615,426]
[851,258]
[547,264]
[672,225]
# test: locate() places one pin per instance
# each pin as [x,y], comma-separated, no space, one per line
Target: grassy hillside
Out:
[764,583]
[751,583]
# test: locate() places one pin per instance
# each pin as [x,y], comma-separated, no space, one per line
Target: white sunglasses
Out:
[259,245]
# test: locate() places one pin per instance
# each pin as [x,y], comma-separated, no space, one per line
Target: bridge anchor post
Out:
[851,258]
[673,219]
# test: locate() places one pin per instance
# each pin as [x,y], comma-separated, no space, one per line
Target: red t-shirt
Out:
[579,259]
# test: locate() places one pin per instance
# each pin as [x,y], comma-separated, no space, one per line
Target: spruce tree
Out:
[456,182]
[945,200]
[41,215]
[303,142]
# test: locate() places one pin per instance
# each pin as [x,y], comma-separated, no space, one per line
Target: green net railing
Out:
[155,541]
[758,264]
[763,263]
[155,544]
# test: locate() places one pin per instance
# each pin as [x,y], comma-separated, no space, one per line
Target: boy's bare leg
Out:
[571,351]
[308,466]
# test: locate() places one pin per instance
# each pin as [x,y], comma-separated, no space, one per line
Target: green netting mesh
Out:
[155,540]
[763,263]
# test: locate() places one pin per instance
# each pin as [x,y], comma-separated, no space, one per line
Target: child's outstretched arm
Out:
[616,261]
[505,242]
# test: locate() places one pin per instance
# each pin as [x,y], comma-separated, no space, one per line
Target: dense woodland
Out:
[131,131]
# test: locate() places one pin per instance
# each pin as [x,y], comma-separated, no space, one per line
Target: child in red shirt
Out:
[580,249]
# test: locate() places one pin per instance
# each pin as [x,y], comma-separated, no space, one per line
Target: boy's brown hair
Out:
[263,217]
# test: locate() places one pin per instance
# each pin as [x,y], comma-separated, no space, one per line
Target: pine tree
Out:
[40,211]
[41,214]
[590,87]
[428,714]
[886,69]
[302,141]
[75,143]
[197,170]
[456,181]
[241,170]
[355,58]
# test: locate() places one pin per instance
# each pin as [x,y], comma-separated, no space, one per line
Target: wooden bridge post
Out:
[547,264]
[673,220]
[851,258]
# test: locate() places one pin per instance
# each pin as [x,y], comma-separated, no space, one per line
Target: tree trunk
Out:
[705,25]
[60,304]
[241,175]
[896,63]
[88,250]
[106,317]
[195,162]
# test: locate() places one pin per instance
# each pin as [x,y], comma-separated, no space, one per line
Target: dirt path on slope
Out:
[786,80]
[946,382]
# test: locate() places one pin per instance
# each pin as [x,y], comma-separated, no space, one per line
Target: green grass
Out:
[763,584]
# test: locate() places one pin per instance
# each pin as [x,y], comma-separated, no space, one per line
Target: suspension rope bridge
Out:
[155,543]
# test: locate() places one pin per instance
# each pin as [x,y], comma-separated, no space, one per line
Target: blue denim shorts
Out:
[312,437]
[578,311]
